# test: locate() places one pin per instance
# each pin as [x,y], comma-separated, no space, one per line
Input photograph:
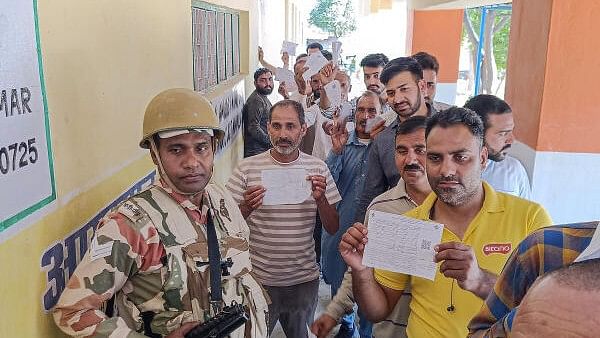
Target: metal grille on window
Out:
[235,24]
[200,53]
[215,46]
[212,48]
[228,46]
[221,72]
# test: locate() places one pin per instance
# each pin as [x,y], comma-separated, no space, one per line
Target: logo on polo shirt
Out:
[497,248]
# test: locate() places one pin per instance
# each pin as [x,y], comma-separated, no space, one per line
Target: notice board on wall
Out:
[26,169]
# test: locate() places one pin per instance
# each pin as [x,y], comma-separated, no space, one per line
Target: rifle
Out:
[221,325]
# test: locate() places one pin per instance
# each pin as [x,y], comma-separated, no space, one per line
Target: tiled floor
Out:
[324,297]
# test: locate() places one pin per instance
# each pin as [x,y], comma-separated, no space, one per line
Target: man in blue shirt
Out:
[347,162]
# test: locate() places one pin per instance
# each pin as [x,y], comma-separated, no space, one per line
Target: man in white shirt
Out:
[503,172]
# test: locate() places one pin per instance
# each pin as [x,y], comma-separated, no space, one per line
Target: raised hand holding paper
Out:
[310,114]
[334,93]
[345,110]
[314,63]
[285,75]
[289,47]
[372,122]
[285,186]
[336,47]
[402,244]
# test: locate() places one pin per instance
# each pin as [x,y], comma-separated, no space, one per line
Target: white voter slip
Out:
[285,186]
[402,244]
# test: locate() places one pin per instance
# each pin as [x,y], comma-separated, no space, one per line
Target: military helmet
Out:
[179,109]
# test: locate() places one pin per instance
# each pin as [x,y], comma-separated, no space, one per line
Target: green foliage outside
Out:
[335,17]
[500,44]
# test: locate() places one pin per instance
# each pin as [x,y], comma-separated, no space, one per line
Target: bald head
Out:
[562,304]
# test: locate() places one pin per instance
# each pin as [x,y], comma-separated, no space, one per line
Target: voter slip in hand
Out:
[314,63]
[285,75]
[402,244]
[372,122]
[285,186]
[289,47]
[334,93]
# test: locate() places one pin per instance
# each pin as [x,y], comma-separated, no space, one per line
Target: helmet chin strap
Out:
[163,173]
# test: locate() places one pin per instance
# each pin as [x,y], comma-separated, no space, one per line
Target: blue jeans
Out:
[365,327]
[347,327]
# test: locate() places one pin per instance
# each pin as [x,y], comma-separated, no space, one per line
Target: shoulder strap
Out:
[214,261]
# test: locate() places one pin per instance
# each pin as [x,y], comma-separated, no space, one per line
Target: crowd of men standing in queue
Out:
[417,146]
[392,149]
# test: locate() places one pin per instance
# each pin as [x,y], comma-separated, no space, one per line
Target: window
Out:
[216,37]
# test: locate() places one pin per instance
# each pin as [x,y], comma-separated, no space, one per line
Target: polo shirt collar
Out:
[491,202]
[399,191]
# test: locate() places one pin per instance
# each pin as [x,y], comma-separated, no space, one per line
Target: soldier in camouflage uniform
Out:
[151,253]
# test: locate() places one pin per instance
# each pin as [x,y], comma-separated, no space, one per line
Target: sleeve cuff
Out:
[336,311]
[391,280]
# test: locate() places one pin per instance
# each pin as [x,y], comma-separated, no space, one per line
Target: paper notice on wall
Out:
[402,244]
[26,176]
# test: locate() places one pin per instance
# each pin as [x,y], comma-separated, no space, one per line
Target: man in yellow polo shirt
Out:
[481,228]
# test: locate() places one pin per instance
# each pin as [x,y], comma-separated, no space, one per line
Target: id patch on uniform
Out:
[100,250]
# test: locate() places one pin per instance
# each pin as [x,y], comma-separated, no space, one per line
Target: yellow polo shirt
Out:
[497,229]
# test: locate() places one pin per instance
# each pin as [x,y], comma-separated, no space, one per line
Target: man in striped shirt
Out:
[281,235]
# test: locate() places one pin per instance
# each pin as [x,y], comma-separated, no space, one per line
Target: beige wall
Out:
[103,61]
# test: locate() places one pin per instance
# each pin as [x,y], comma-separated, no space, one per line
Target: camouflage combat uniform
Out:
[157,272]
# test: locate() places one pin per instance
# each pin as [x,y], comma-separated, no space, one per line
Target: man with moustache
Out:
[348,164]
[481,227]
[410,192]
[431,69]
[503,172]
[281,236]
[405,88]
[254,114]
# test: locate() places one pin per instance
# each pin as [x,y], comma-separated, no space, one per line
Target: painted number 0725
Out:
[18,155]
